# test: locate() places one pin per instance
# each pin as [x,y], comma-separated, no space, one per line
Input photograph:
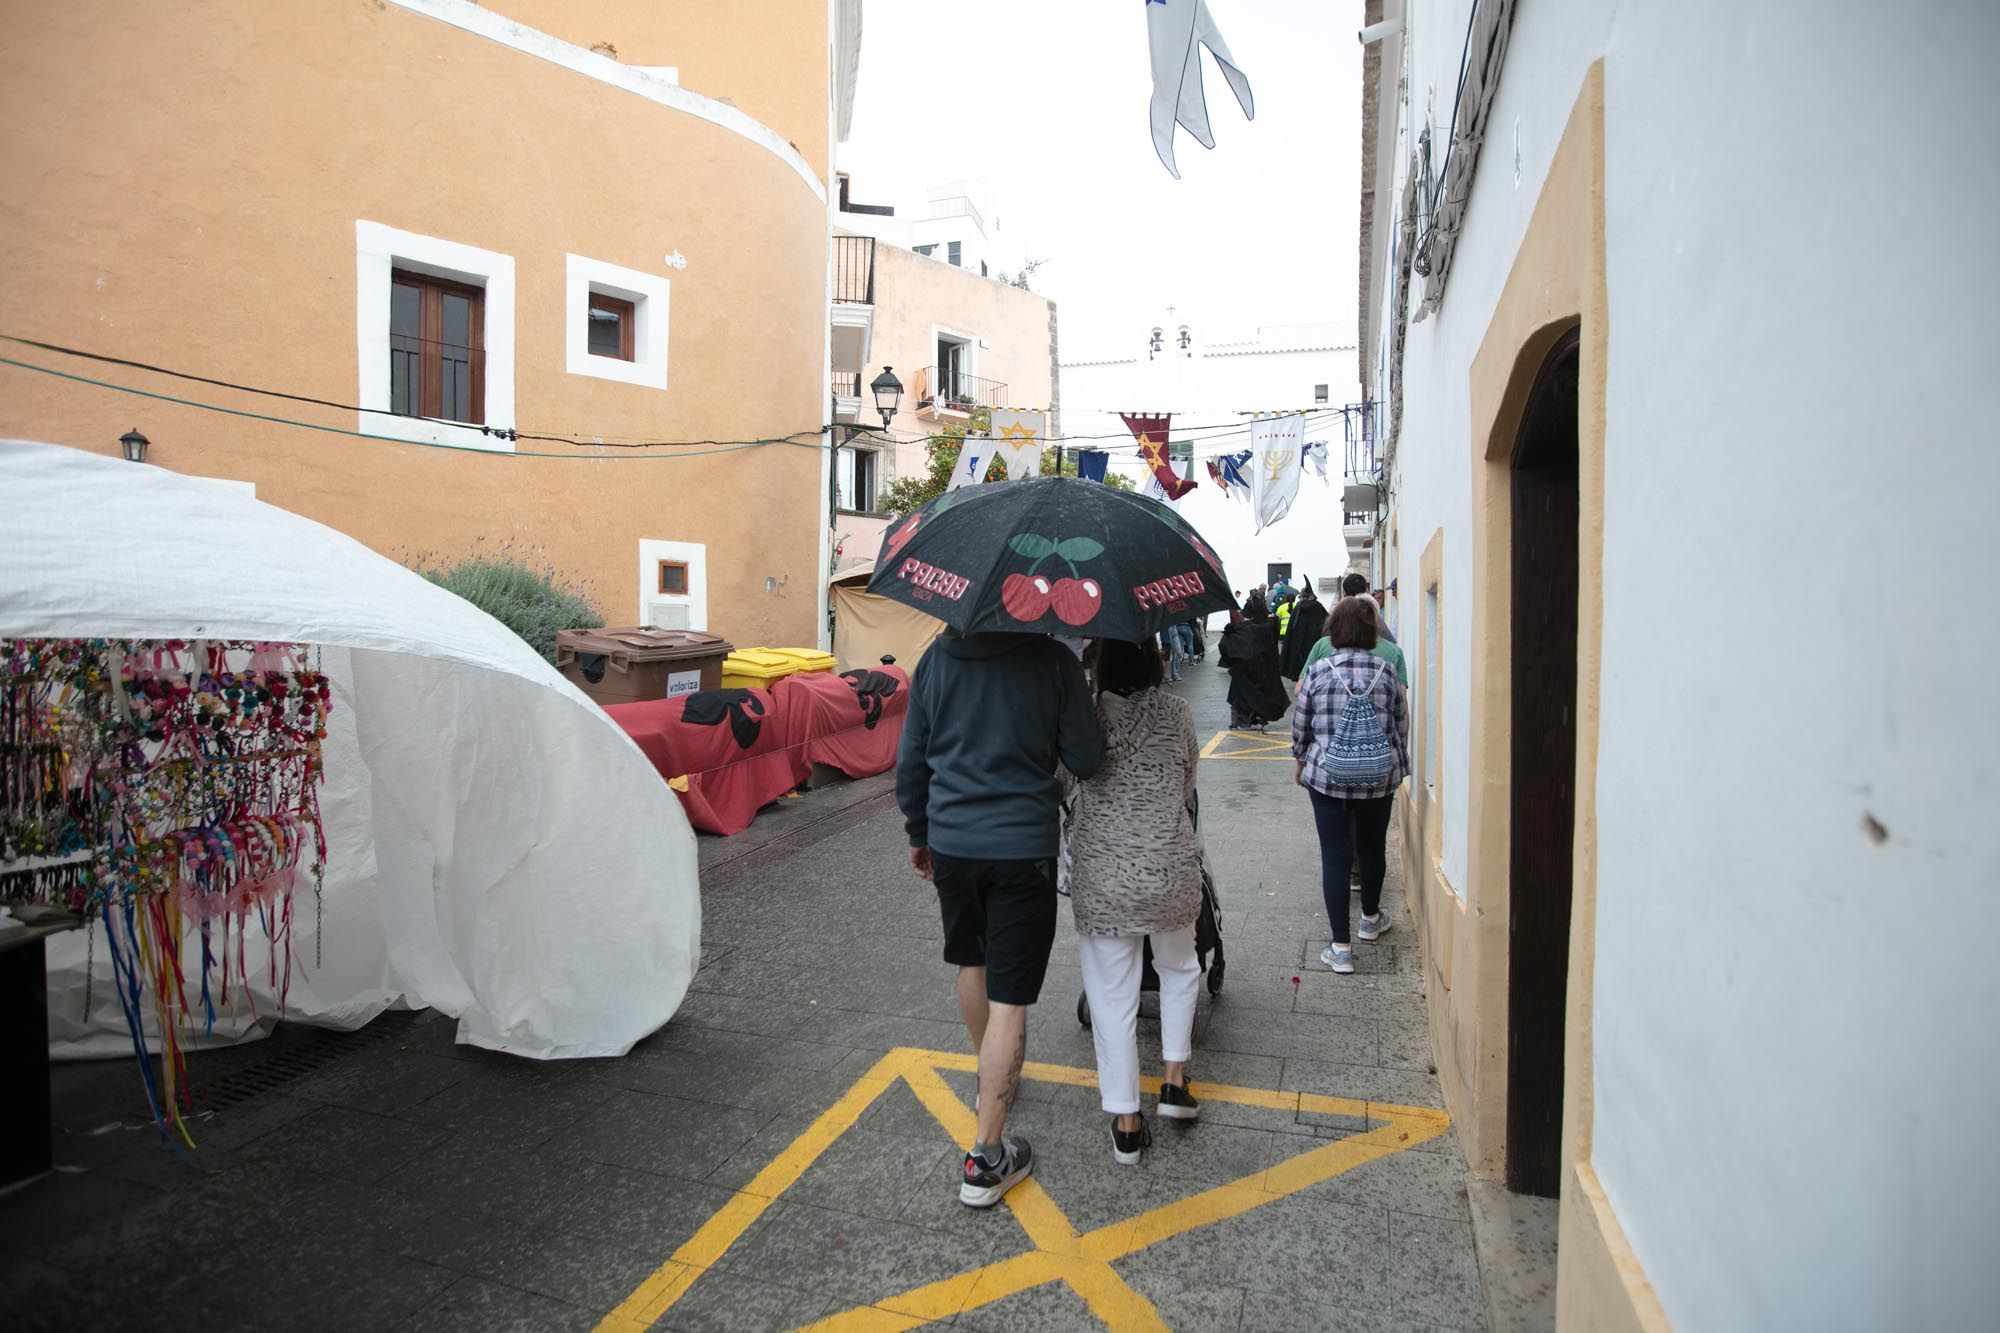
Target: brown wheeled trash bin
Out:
[639,662]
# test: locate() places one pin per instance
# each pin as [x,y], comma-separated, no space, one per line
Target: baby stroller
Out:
[1207,924]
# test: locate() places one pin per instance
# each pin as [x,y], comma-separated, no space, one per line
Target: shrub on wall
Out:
[521,591]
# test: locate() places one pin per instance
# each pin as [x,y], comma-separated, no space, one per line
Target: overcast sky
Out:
[1048,99]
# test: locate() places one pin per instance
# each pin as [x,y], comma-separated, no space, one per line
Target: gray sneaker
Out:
[984,1184]
[1337,957]
[1373,927]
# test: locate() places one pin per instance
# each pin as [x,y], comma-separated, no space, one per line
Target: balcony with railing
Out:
[1358,527]
[852,314]
[957,206]
[948,391]
[854,269]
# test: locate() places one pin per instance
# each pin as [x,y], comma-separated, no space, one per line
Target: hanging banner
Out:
[1215,475]
[1090,464]
[1174,30]
[1151,432]
[1233,472]
[1315,454]
[1017,441]
[1275,444]
[974,457]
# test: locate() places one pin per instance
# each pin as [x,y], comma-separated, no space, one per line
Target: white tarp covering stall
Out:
[498,848]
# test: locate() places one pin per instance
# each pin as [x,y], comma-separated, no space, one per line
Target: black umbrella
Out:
[1051,555]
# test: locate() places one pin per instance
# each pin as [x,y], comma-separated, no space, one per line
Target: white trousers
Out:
[1112,965]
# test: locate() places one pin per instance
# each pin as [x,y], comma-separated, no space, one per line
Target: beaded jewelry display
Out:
[156,785]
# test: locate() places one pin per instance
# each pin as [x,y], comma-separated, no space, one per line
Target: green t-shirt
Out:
[1384,649]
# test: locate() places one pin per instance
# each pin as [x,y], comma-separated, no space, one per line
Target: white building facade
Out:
[1209,387]
[1666,327]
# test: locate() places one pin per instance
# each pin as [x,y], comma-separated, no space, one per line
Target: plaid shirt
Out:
[1323,693]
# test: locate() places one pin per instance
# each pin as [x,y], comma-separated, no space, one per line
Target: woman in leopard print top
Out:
[1135,872]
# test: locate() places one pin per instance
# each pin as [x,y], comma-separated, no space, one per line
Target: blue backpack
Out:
[1358,754]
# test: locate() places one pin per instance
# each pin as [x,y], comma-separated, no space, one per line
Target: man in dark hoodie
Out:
[990,716]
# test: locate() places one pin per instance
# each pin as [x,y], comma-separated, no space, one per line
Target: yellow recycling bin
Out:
[761,668]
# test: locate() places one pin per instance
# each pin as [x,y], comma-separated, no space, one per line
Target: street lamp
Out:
[888,391]
[134,445]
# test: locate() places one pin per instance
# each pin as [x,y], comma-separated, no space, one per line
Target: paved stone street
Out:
[786,1150]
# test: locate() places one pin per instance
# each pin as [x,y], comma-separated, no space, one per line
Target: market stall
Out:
[494,846]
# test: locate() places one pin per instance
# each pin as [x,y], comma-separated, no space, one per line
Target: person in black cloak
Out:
[1307,628]
[1249,650]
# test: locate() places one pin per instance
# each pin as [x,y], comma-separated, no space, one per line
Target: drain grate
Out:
[289,1054]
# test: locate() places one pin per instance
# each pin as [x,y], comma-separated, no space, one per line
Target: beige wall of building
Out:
[916,298]
[187,188]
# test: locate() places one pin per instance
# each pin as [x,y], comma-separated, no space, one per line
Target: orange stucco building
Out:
[456,226]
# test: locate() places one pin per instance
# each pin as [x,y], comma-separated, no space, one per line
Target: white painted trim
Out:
[695,556]
[856,315]
[482,22]
[646,291]
[378,251]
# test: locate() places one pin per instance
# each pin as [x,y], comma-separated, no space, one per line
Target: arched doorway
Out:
[1542,799]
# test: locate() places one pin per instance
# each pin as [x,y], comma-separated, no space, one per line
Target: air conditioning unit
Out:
[667,615]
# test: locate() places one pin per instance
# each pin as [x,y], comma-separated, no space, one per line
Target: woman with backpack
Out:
[1350,739]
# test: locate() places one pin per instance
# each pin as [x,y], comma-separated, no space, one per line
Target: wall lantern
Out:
[134,444]
[888,391]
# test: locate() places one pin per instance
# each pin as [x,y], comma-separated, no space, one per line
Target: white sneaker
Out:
[1373,927]
[1337,957]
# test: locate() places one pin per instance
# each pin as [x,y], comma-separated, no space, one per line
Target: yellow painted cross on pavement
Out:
[1060,1253]
[1249,745]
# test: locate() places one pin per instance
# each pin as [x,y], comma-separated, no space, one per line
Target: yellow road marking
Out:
[1249,745]
[1061,1254]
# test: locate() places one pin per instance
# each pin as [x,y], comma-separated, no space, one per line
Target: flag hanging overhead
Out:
[1017,441]
[1316,455]
[974,457]
[1090,464]
[1233,473]
[1275,445]
[1176,30]
[1151,432]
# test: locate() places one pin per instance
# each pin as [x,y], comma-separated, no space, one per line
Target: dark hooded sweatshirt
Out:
[990,717]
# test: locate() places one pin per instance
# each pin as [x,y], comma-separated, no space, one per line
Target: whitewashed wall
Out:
[1795,1025]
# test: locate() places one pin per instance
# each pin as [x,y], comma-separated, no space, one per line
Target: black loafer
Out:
[1177,1103]
[1127,1145]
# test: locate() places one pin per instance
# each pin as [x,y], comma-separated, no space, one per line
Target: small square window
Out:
[1319,393]
[613,323]
[673,578]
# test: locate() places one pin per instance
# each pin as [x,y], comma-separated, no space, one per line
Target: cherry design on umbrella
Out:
[905,530]
[744,710]
[872,690]
[1028,596]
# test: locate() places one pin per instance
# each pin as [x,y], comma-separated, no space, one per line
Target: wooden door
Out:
[1543,778]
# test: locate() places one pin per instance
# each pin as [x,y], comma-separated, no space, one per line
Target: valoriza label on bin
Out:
[683,682]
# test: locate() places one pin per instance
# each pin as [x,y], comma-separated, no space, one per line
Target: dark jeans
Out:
[1347,829]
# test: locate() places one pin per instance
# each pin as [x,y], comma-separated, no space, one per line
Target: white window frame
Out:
[692,554]
[648,294]
[380,250]
[841,461]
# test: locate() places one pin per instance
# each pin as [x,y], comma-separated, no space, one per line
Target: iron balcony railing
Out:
[854,269]
[956,391]
[847,384]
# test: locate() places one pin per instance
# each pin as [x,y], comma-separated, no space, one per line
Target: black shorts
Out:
[999,915]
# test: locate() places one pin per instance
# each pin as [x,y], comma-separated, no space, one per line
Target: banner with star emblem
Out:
[1151,432]
[1017,441]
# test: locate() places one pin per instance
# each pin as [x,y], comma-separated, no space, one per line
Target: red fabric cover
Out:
[852,722]
[742,749]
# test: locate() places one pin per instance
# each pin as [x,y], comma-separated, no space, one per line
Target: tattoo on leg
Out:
[1014,1069]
